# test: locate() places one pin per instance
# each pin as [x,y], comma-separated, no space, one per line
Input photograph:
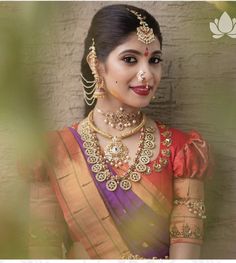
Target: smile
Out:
[141,90]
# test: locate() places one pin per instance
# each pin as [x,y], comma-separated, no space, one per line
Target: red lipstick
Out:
[141,90]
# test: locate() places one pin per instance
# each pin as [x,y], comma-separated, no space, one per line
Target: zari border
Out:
[85,213]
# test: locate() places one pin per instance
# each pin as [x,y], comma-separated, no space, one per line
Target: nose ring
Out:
[140,75]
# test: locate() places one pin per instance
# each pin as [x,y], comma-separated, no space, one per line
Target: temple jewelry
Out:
[186,232]
[195,207]
[99,163]
[93,89]
[123,135]
[116,153]
[121,119]
[140,75]
[144,32]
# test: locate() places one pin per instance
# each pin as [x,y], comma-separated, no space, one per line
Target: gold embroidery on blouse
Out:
[186,232]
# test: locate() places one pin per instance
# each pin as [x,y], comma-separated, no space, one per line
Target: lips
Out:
[141,90]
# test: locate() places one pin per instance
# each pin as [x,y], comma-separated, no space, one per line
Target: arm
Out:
[186,227]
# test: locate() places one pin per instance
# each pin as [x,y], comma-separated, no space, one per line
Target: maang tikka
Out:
[144,32]
[93,89]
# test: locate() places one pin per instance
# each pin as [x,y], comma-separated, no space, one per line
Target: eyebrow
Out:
[138,52]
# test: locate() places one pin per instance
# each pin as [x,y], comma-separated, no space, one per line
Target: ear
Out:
[90,61]
[101,68]
[98,67]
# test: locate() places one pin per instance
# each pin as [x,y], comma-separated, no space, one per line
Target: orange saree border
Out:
[83,208]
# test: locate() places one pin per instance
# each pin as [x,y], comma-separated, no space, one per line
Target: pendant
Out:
[125,184]
[101,177]
[135,177]
[111,185]
[116,153]
[140,167]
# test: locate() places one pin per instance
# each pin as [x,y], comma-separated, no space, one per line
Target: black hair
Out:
[110,27]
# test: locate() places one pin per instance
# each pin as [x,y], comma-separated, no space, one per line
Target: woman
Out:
[128,186]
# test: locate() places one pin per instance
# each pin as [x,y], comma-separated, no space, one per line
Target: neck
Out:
[99,118]
[112,106]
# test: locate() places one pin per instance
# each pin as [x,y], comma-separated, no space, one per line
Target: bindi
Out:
[146,53]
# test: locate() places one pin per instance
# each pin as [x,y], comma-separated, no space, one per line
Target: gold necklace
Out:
[116,153]
[121,119]
[100,168]
[123,135]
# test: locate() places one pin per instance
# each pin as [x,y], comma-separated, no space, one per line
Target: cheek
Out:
[158,75]
[116,91]
[116,94]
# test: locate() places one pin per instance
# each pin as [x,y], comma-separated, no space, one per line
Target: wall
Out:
[197,91]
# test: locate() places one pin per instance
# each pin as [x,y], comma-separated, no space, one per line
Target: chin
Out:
[141,104]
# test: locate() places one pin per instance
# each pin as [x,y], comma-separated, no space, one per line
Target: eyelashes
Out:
[156,60]
[129,60]
[133,60]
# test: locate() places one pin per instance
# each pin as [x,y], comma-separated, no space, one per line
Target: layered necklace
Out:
[116,153]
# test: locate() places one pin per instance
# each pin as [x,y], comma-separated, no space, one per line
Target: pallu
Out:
[109,225]
[119,224]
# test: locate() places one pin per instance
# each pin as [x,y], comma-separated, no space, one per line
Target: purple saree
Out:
[145,232]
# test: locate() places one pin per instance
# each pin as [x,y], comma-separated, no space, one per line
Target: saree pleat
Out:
[131,215]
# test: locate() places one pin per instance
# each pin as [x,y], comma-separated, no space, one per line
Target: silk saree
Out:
[119,224]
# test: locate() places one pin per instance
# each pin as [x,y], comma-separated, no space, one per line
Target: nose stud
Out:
[140,75]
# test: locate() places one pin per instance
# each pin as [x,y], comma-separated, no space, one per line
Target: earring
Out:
[99,91]
[95,88]
[140,75]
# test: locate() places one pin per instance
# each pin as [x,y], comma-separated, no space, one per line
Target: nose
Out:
[146,74]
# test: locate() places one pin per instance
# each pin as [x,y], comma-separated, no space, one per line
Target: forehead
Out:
[132,42]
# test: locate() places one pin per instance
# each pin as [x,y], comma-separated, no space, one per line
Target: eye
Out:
[129,60]
[155,60]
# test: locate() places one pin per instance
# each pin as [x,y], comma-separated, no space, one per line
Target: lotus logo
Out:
[222,26]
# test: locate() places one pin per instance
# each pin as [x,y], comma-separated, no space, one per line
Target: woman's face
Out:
[120,72]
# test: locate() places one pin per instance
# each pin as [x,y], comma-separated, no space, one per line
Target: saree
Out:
[110,225]
[129,224]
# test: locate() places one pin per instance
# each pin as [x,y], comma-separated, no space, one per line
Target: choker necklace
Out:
[99,165]
[116,153]
[121,119]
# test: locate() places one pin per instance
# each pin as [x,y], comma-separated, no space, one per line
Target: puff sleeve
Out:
[191,165]
[193,159]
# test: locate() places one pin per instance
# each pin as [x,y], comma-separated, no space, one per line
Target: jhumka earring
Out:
[93,89]
[144,32]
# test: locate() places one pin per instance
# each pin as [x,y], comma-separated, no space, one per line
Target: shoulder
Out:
[65,136]
[59,144]
[190,154]
[178,137]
